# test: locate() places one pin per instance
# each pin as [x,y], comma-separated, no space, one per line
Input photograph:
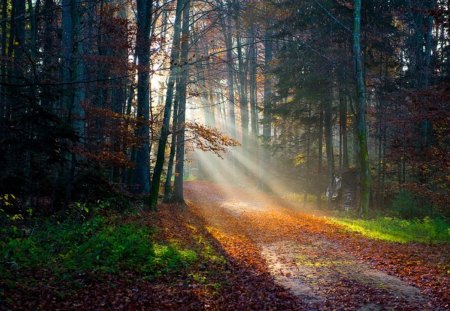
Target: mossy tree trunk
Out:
[363,156]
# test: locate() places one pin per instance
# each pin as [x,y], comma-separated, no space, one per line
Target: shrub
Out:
[97,245]
[391,229]
[406,205]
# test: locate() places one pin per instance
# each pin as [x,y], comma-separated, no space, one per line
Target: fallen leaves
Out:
[324,246]
[232,273]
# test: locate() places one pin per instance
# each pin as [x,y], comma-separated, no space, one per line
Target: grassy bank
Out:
[392,229]
[99,245]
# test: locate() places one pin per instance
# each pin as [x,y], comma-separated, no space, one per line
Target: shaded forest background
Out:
[103,99]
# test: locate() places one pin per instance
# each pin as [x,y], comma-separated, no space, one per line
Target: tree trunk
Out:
[253,86]
[176,63]
[178,195]
[226,29]
[320,156]
[364,173]
[329,146]
[142,173]
[19,43]
[67,49]
[67,100]
[243,99]
[3,72]
[343,128]
[308,155]
[77,111]
[267,120]
[210,90]
[168,183]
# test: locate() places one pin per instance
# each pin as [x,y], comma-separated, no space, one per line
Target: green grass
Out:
[97,245]
[399,230]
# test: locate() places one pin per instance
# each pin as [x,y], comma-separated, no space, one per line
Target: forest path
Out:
[302,252]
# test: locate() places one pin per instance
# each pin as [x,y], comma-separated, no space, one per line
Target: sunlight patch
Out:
[238,208]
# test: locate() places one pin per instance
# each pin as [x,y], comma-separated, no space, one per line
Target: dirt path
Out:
[302,252]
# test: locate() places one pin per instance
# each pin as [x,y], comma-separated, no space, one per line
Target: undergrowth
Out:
[97,245]
[426,230]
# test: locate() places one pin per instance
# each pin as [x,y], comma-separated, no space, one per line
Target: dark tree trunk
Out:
[242,74]
[226,29]
[144,18]
[320,156]
[168,182]
[176,65]
[329,145]
[267,120]
[253,87]
[178,195]
[343,130]
[364,173]
[308,156]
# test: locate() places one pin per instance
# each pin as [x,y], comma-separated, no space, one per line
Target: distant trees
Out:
[397,52]
[108,93]
[77,110]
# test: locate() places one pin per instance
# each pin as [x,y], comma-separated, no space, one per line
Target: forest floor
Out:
[254,252]
[322,265]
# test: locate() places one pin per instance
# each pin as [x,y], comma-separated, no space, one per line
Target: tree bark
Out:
[253,86]
[329,145]
[364,174]
[67,49]
[343,129]
[3,72]
[226,29]
[178,195]
[267,120]
[168,182]
[320,156]
[308,155]
[176,64]
[142,173]
[243,98]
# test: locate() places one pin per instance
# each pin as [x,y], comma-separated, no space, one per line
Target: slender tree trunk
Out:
[3,71]
[12,29]
[67,100]
[178,195]
[426,125]
[308,156]
[165,14]
[364,174]
[210,90]
[142,174]
[77,110]
[267,120]
[253,86]
[19,43]
[343,127]
[67,49]
[119,92]
[49,60]
[329,145]
[226,29]
[176,63]
[320,156]
[168,182]
[204,93]
[242,74]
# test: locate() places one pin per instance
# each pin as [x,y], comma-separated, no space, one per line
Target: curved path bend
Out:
[302,252]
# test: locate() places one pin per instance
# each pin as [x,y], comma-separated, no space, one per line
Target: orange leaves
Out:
[334,260]
[209,139]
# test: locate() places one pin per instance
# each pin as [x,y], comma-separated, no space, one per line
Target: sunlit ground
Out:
[248,169]
[398,230]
